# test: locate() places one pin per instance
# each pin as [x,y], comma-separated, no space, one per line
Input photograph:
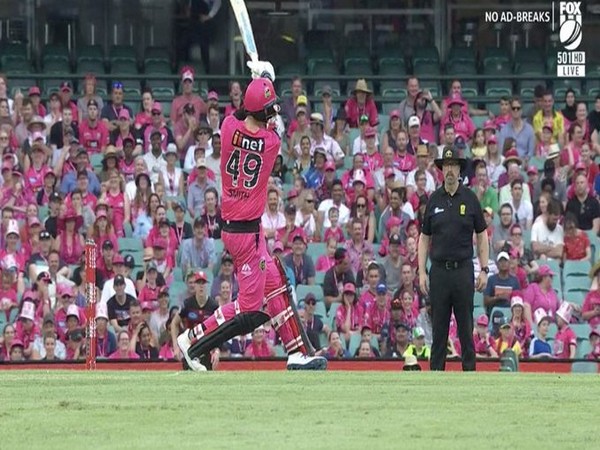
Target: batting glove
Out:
[261,69]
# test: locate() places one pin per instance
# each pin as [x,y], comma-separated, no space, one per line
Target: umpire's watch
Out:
[485,269]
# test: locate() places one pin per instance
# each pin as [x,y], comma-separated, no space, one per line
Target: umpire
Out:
[452,214]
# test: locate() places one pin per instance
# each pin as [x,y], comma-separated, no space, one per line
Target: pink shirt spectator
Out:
[354,111]
[562,342]
[34,178]
[482,344]
[324,263]
[26,337]
[149,295]
[127,170]
[119,140]
[166,352]
[500,121]
[60,318]
[20,258]
[378,318]
[537,299]
[337,233]
[141,119]
[565,155]
[261,350]
[367,300]
[230,109]
[463,126]
[181,101]
[129,355]
[373,162]
[427,131]
[94,139]
[117,203]
[405,163]
[357,317]
[70,254]
[592,300]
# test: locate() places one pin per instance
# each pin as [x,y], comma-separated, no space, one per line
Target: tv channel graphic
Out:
[570,63]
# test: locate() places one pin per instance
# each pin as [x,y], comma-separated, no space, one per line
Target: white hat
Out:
[28,311]
[73,310]
[541,314]
[171,148]
[359,175]
[413,121]
[101,311]
[565,311]
[517,300]
[502,255]
[13,227]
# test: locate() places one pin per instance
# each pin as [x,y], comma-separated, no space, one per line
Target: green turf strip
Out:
[299,410]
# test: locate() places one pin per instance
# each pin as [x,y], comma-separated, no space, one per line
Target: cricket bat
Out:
[243,20]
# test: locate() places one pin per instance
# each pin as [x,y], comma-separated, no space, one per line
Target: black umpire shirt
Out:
[450,221]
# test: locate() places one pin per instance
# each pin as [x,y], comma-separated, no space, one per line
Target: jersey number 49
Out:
[250,167]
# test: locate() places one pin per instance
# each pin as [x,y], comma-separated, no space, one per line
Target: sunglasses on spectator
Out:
[117,85]
[516,108]
[309,200]
[361,205]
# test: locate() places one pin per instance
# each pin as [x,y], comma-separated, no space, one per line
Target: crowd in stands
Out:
[344,206]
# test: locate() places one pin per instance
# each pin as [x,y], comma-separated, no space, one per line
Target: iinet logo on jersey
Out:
[240,140]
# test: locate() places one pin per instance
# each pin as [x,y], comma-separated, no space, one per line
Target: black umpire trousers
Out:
[451,287]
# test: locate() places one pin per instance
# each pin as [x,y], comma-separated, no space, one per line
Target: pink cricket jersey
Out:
[94,139]
[246,164]
[562,342]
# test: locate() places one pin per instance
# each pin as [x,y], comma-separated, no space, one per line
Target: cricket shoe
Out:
[184,343]
[298,361]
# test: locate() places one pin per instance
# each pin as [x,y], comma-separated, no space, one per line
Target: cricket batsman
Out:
[250,146]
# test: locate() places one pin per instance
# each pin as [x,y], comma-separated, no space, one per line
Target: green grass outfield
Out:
[296,410]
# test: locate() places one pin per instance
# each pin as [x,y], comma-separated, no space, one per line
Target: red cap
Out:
[456,99]
[388,172]
[492,139]
[34,90]
[350,288]
[329,165]
[156,106]
[489,125]
[395,113]
[533,170]
[124,114]
[118,259]
[160,243]
[200,276]
[580,166]
[370,132]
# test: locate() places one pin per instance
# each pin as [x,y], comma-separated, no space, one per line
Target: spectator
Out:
[187,97]
[106,342]
[362,212]
[577,245]
[525,254]
[395,167]
[568,112]
[487,195]
[259,347]
[406,106]
[272,219]
[42,346]
[320,139]
[399,208]
[142,342]
[584,206]
[196,190]
[547,236]
[69,242]
[303,161]
[196,308]
[594,338]
[590,311]
[414,135]
[507,339]
[401,341]
[186,131]
[565,341]
[337,277]
[287,234]
[327,261]
[123,347]
[111,112]
[198,252]
[390,135]
[119,304]
[361,103]
[302,264]
[548,113]
[357,244]
[108,289]
[522,208]
[539,346]
[290,103]
[349,317]
[540,293]
[313,177]
[337,196]
[323,192]
[519,130]
[306,215]
[423,162]
[339,131]
[336,348]
[570,155]
[553,180]
[235,96]
[82,166]
[500,286]
[485,346]
[521,326]
[463,125]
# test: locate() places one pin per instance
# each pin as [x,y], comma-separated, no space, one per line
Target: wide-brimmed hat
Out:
[70,214]
[36,120]
[512,156]
[451,154]
[541,314]
[361,86]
